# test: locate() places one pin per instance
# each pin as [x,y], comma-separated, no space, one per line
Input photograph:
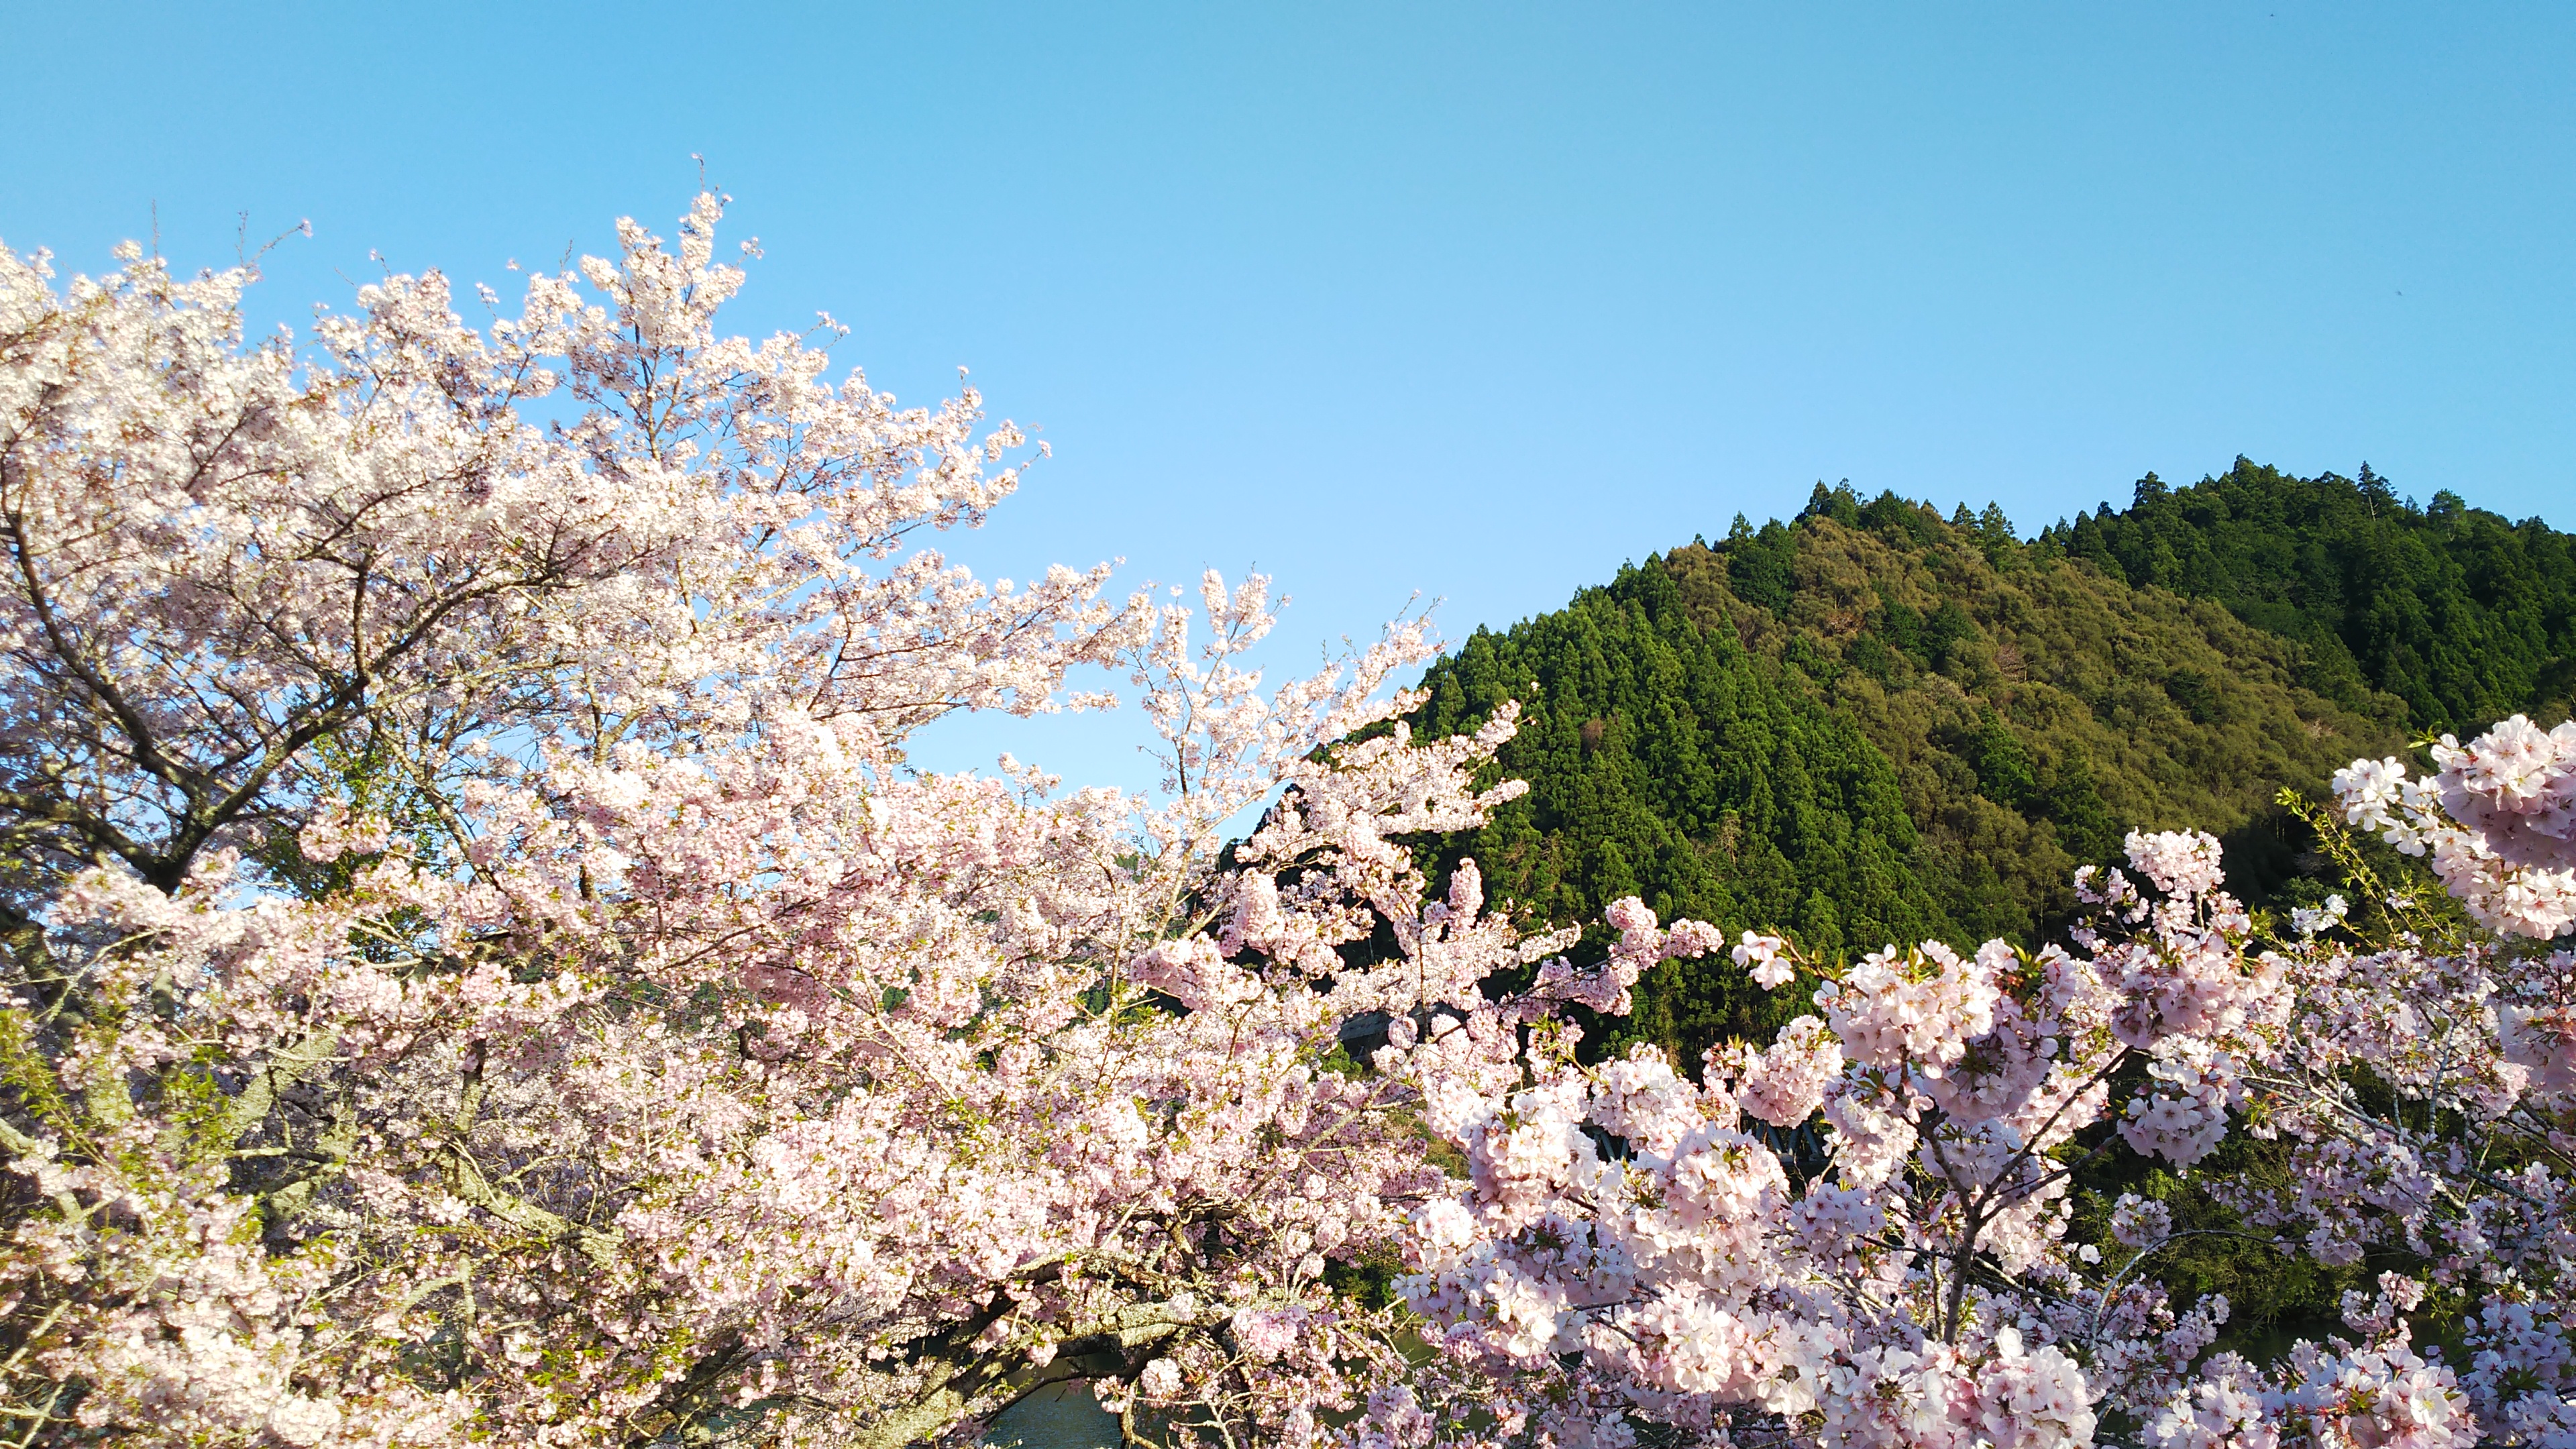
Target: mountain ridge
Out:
[1874,723]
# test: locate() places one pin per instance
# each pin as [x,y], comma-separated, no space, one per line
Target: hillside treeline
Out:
[2465,616]
[1876,723]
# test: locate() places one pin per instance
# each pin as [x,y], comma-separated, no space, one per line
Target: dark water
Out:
[1061,1416]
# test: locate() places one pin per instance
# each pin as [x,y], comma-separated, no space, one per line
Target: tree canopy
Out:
[1874,723]
[2460,613]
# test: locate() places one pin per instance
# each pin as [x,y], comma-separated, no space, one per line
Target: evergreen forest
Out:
[1875,723]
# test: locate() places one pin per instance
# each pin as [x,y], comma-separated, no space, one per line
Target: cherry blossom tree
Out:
[1860,1233]
[480,969]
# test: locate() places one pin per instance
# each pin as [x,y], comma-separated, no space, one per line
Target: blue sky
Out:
[1475,301]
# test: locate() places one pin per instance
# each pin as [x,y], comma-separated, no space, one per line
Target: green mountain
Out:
[1874,723]
[2464,616]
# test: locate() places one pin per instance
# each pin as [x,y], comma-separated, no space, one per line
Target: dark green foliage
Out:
[1757,564]
[2464,616]
[1666,761]
[2002,762]
[1874,723]
[2034,709]
[1838,503]
[2086,828]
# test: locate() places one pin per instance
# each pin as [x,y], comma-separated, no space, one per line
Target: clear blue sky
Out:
[1475,300]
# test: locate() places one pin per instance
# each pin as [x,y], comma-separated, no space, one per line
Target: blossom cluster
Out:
[2497,819]
[487,974]
[1860,1235]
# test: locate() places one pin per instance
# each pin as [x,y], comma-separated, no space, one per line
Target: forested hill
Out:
[1874,723]
[2465,616]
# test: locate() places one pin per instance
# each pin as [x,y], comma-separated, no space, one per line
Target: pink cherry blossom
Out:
[481,970]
